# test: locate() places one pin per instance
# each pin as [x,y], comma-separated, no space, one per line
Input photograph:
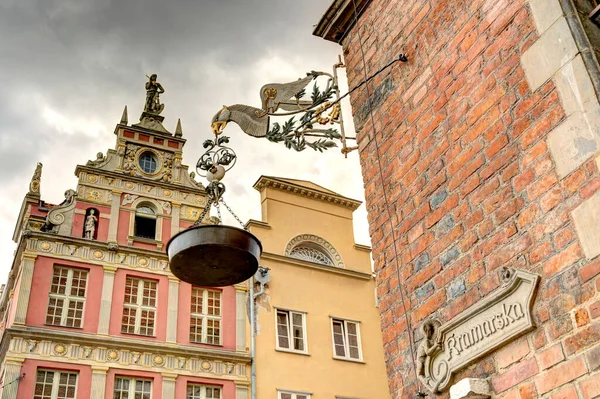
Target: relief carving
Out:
[55,221]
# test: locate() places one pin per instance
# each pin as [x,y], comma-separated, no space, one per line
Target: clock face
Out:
[148,162]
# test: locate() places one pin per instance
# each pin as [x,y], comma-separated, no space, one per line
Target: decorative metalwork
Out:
[310,129]
[311,254]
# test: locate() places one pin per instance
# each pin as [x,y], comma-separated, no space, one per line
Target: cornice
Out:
[103,352]
[328,269]
[131,344]
[258,223]
[144,130]
[138,179]
[339,18]
[303,191]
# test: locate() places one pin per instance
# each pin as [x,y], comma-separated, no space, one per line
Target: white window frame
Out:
[56,381]
[345,337]
[139,307]
[132,381]
[204,316]
[203,389]
[67,298]
[289,314]
[293,394]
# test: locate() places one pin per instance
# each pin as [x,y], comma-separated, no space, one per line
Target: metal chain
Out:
[234,215]
[204,212]
[219,212]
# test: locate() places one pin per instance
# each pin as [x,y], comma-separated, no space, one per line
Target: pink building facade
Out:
[91,309]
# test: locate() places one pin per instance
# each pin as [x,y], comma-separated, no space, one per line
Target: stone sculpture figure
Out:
[427,348]
[90,225]
[153,91]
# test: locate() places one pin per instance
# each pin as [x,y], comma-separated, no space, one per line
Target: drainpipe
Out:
[583,43]
[262,277]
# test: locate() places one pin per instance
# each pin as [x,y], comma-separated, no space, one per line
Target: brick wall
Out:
[470,174]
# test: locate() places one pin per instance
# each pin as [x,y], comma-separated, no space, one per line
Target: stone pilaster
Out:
[24,288]
[173,308]
[106,301]
[175,212]
[98,382]
[113,225]
[241,392]
[12,371]
[240,319]
[168,385]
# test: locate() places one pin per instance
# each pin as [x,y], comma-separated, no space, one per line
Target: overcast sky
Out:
[68,67]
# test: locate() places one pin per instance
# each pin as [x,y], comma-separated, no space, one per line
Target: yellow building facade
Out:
[317,325]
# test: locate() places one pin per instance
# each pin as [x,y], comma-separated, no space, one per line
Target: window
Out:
[205,316]
[311,253]
[346,339]
[67,297]
[139,307]
[197,391]
[148,162]
[292,395]
[133,388]
[291,333]
[52,384]
[145,221]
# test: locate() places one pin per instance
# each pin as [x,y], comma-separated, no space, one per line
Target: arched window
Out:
[312,248]
[312,253]
[145,221]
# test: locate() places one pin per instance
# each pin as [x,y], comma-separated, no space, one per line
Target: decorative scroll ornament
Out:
[310,129]
[62,212]
[34,185]
[479,330]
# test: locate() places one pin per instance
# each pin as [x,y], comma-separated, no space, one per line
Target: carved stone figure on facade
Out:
[91,222]
[427,347]
[153,91]
[34,185]
[99,159]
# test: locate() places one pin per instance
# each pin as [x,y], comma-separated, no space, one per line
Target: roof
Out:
[305,188]
[339,19]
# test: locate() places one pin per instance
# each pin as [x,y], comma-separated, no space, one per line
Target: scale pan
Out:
[214,255]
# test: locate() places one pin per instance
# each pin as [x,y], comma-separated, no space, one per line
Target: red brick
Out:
[512,353]
[551,356]
[590,189]
[595,309]
[541,186]
[575,180]
[541,252]
[515,375]
[527,215]
[522,180]
[527,391]
[590,271]
[565,258]
[560,375]
[582,317]
[567,392]
[590,387]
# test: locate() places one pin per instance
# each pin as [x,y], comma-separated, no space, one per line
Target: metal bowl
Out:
[214,255]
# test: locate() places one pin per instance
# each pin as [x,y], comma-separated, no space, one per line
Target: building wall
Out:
[98,351]
[320,292]
[488,142]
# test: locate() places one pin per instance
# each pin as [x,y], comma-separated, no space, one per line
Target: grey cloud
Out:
[67,68]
